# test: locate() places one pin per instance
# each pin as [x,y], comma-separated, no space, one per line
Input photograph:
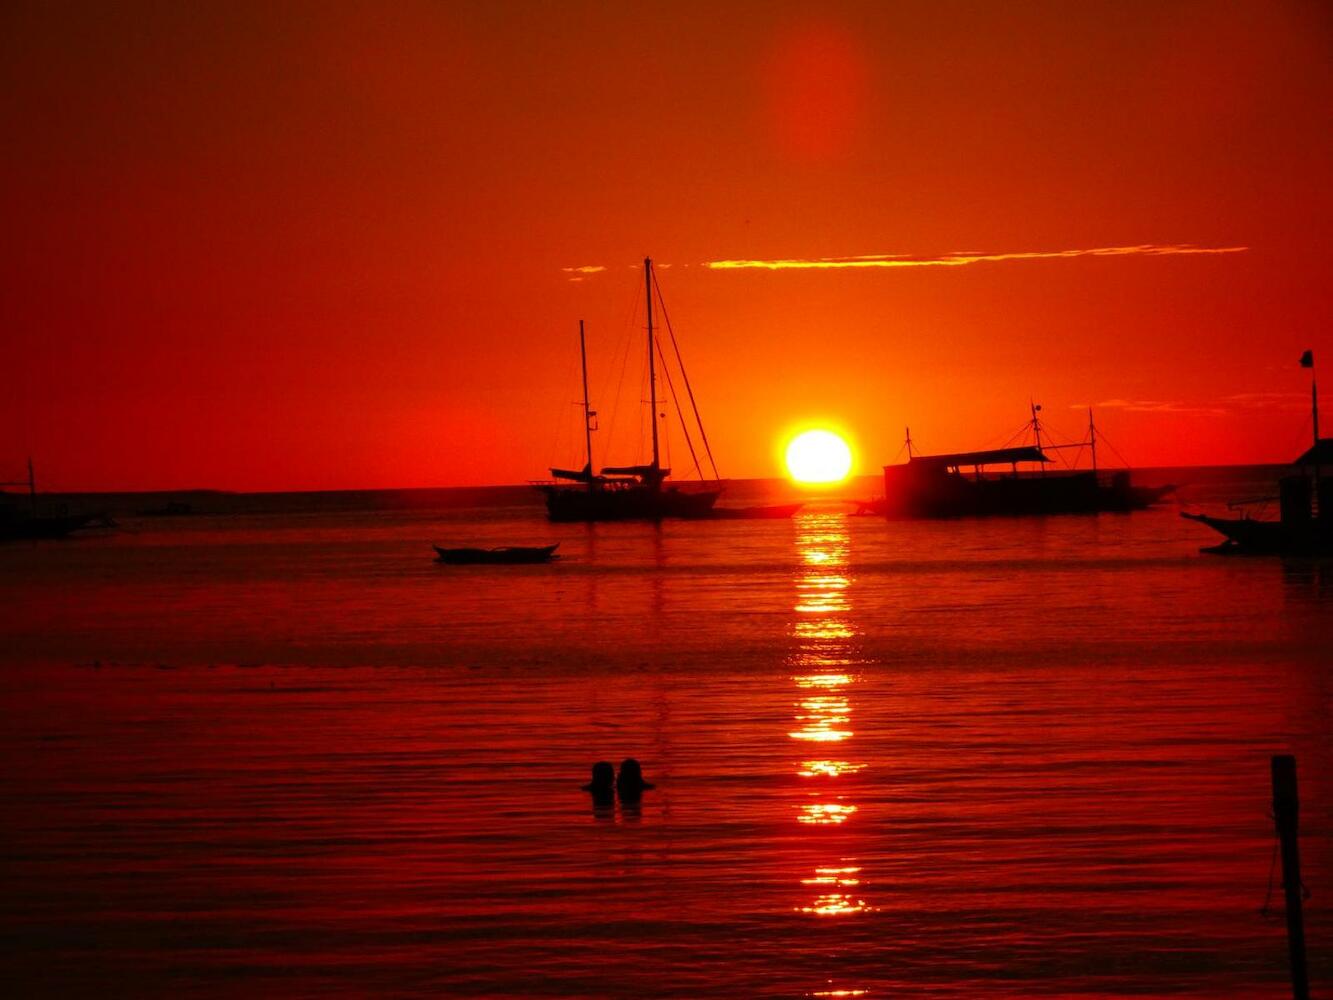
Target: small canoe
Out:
[507,555]
[755,513]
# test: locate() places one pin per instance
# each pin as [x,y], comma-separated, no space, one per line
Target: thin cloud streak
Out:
[960,259]
[1154,406]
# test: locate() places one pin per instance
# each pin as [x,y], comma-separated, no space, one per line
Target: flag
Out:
[1307,359]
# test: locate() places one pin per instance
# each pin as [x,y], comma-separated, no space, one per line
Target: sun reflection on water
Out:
[826,813]
[825,677]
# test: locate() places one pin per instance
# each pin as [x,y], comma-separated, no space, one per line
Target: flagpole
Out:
[1307,361]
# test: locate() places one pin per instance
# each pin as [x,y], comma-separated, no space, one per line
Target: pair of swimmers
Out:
[606,784]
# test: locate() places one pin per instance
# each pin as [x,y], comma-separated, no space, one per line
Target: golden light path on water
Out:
[823,630]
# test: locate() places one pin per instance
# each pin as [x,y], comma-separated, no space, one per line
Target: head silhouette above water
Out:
[603,779]
[630,783]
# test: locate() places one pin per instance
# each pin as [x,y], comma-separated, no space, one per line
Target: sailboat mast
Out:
[1092,436]
[652,371]
[587,411]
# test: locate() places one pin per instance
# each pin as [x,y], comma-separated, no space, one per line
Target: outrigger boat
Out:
[1305,505]
[632,492]
[507,555]
[932,486]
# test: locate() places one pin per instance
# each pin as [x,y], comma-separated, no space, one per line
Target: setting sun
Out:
[818,457]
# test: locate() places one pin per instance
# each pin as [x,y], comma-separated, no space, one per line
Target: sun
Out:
[818,457]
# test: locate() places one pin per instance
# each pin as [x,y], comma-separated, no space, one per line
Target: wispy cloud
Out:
[959,259]
[1270,400]
[581,272]
[1155,406]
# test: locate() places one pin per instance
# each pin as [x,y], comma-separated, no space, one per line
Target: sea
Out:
[272,748]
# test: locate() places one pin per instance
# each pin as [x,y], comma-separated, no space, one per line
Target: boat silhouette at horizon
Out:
[1305,503]
[936,486]
[633,492]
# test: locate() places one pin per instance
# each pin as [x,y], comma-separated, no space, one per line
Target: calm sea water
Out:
[274,749]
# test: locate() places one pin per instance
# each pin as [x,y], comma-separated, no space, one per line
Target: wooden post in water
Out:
[1286,814]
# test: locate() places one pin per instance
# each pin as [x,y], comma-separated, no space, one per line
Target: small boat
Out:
[772,512]
[634,492]
[506,556]
[48,525]
[932,486]
[35,522]
[1305,505]
[173,508]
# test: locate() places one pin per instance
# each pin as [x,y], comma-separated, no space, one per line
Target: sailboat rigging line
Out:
[1101,436]
[703,434]
[622,352]
[684,427]
[615,404]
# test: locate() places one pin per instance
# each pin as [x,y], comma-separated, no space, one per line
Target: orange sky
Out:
[322,246]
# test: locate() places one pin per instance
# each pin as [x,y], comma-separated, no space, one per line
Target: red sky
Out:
[320,246]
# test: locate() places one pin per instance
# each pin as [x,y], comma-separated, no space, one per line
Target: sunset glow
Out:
[730,500]
[818,457]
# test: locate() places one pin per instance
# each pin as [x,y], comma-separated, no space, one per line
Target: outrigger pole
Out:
[1092,437]
[1036,431]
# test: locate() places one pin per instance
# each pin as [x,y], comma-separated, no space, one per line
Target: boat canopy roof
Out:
[996,456]
[1320,453]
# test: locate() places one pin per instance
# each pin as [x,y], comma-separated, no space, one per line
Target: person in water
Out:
[630,785]
[603,784]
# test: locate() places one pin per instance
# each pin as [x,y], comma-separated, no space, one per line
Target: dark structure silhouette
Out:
[1286,817]
[630,785]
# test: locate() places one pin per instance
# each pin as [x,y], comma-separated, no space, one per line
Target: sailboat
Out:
[630,492]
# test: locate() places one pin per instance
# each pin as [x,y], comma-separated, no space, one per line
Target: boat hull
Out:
[1250,536]
[508,556]
[637,503]
[768,513]
[930,493]
[47,526]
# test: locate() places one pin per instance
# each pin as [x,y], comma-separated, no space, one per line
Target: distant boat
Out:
[630,492]
[507,555]
[775,511]
[934,486]
[14,525]
[173,508]
[1305,505]
[16,522]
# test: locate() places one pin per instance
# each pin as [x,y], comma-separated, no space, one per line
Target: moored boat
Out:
[505,555]
[1305,504]
[764,513]
[935,486]
[631,492]
[36,522]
